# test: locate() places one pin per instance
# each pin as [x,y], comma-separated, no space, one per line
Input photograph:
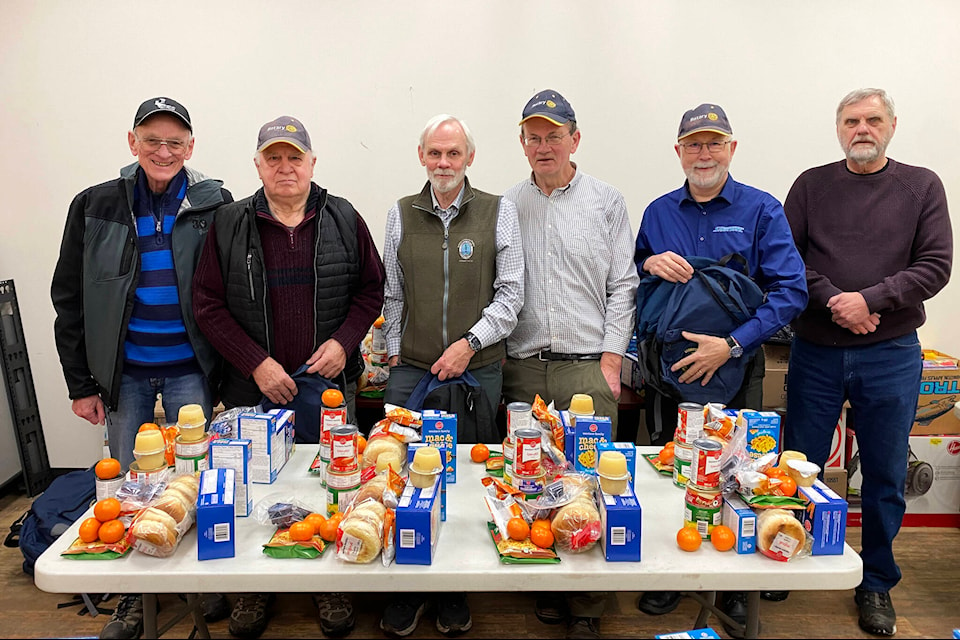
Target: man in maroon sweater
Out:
[875,236]
[288,277]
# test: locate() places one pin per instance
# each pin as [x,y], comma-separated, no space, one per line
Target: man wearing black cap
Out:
[122,288]
[579,294]
[289,278]
[712,216]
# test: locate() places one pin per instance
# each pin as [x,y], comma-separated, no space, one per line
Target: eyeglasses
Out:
[175,147]
[554,140]
[697,147]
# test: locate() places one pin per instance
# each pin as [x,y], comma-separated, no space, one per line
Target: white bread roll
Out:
[576,526]
[779,534]
[369,536]
[372,490]
[173,505]
[156,527]
[381,444]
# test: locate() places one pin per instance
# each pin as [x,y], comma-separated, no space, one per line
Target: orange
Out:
[480,452]
[688,539]
[787,487]
[518,529]
[540,524]
[666,455]
[670,445]
[107,509]
[332,398]
[542,537]
[112,531]
[328,530]
[775,472]
[316,521]
[723,538]
[90,530]
[147,426]
[361,444]
[107,469]
[301,531]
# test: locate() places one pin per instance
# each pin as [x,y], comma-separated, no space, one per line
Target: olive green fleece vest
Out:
[448,279]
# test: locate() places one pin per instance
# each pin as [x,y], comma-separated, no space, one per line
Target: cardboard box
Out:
[824,518]
[939,394]
[411,451]
[216,521]
[235,454]
[418,524]
[630,372]
[629,451]
[268,436]
[706,633]
[777,359]
[440,429]
[838,446]
[620,522]
[586,435]
[836,479]
[763,431]
[743,521]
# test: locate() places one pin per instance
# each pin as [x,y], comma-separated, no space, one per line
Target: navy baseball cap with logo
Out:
[706,117]
[154,106]
[551,106]
[284,129]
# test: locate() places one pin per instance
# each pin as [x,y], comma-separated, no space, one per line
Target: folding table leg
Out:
[710,597]
[150,615]
[752,627]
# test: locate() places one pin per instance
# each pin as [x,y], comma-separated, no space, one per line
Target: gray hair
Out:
[863,94]
[436,121]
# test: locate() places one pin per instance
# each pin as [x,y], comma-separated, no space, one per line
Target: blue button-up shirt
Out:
[740,219]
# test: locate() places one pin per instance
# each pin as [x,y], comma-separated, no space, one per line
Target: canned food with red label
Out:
[343,448]
[689,422]
[331,417]
[702,509]
[519,416]
[527,453]
[705,465]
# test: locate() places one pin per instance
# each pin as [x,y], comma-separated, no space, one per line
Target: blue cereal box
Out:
[418,523]
[587,433]
[824,518]
[235,454]
[411,451]
[629,451]
[763,431]
[706,633]
[216,521]
[440,430]
[268,444]
[742,521]
[620,523]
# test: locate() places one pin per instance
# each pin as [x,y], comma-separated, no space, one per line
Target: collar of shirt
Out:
[454,206]
[262,207]
[726,194]
[563,189]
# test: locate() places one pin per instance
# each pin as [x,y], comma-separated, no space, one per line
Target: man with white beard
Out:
[712,216]
[454,287]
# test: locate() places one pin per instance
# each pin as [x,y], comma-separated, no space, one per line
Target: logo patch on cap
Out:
[291,128]
[161,103]
[712,116]
[551,104]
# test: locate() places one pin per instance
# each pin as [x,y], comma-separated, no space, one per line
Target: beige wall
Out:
[364,76]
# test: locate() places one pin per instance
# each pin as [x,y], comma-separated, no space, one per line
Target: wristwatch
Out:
[473,341]
[735,349]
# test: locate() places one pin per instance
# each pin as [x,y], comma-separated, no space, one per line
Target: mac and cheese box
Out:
[440,430]
[587,434]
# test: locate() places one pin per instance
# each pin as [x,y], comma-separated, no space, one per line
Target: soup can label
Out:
[531,487]
[705,464]
[689,422]
[108,488]
[702,509]
[191,456]
[519,416]
[343,448]
[527,452]
[508,449]
[331,417]
[339,499]
[681,471]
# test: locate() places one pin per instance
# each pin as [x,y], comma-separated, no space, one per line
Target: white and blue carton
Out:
[267,433]
[216,517]
[742,520]
[411,451]
[235,454]
[629,451]
[620,518]
[439,429]
[825,518]
[706,632]
[418,523]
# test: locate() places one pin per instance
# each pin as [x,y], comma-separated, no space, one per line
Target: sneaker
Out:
[213,606]
[336,613]
[127,618]
[250,613]
[657,603]
[402,615]
[585,628]
[453,614]
[876,612]
[551,608]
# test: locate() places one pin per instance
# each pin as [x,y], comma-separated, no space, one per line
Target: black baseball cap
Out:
[284,129]
[549,105]
[154,106]
[706,117]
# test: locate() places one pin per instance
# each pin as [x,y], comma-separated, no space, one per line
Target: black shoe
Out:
[213,606]
[551,608]
[336,613]
[735,606]
[250,614]
[453,614]
[774,596]
[127,619]
[657,603]
[584,628]
[401,616]
[876,612]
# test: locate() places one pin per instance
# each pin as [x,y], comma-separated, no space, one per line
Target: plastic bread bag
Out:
[404,433]
[156,533]
[381,443]
[225,425]
[781,536]
[576,526]
[384,487]
[280,510]
[135,496]
[402,416]
[389,551]
[360,534]
[565,489]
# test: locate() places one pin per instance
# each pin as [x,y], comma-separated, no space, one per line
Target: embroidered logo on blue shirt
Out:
[733,228]
[465,249]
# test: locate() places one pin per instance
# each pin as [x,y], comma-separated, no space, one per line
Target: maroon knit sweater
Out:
[885,234]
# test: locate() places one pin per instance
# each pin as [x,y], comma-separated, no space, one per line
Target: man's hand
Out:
[873,321]
[610,365]
[453,361]
[669,266]
[90,409]
[711,354]
[329,360]
[393,361]
[850,311]
[274,382]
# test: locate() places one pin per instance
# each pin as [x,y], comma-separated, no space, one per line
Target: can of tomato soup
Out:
[330,417]
[702,509]
[343,448]
[519,416]
[526,461]
[705,463]
[689,422]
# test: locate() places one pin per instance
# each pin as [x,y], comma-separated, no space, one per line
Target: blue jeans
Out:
[881,381]
[138,398]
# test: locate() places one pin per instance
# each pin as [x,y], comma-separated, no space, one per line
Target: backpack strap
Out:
[740,263]
[429,382]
